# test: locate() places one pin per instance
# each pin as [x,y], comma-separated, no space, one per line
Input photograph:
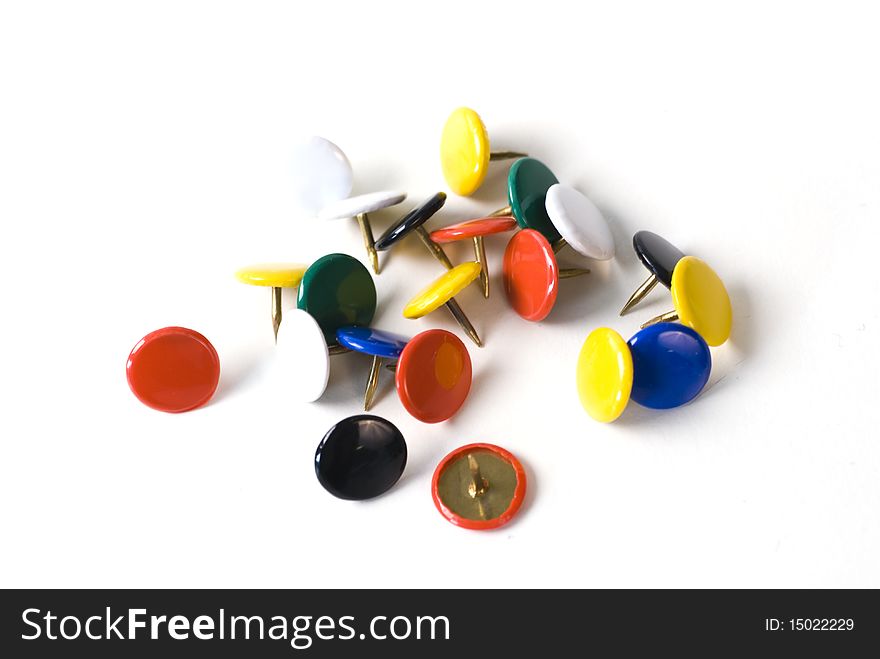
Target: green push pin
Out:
[337,290]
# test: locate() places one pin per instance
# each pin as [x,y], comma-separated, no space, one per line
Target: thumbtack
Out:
[476,230]
[532,274]
[465,153]
[276,276]
[323,180]
[337,290]
[173,369]
[376,343]
[660,257]
[322,174]
[579,222]
[443,291]
[701,301]
[479,486]
[360,457]
[412,222]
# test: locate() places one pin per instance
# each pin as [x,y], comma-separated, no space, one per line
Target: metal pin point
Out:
[435,249]
[668,317]
[506,155]
[363,221]
[463,321]
[640,293]
[372,382]
[480,254]
[276,310]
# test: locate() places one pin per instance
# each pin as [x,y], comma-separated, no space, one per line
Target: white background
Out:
[145,156]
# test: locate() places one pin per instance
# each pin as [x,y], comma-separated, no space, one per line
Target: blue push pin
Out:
[376,343]
[671,365]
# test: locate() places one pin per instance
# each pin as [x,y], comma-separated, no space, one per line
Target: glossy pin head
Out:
[465,153]
[412,222]
[527,185]
[671,365]
[660,257]
[173,369]
[604,374]
[579,222]
[476,230]
[360,207]
[434,375]
[303,357]
[531,275]
[337,290]
[360,457]
[376,343]
[479,487]
[443,291]
[276,276]
[322,174]
[701,301]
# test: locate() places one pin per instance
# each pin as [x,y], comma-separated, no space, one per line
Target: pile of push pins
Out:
[479,486]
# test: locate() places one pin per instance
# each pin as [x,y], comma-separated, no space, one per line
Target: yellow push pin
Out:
[443,291]
[276,275]
[465,153]
[701,301]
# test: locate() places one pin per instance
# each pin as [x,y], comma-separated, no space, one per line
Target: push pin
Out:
[321,174]
[528,182]
[376,343]
[360,458]
[323,179]
[662,366]
[173,369]
[660,257]
[303,356]
[277,276]
[359,207]
[479,487]
[476,230]
[465,153]
[443,291]
[701,301]
[579,222]
[434,375]
[413,221]
[532,274]
[337,290]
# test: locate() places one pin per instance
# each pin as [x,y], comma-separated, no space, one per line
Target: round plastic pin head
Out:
[465,153]
[305,359]
[379,345]
[476,230]
[360,207]
[660,257]
[412,223]
[360,457]
[531,275]
[443,291]
[276,276]
[671,365]
[337,290]
[173,369]
[604,374]
[701,301]
[527,184]
[434,376]
[579,222]
[321,174]
[479,487]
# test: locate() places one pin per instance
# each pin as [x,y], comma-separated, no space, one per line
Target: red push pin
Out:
[173,369]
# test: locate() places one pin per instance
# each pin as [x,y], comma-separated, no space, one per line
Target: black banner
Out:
[423,623]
